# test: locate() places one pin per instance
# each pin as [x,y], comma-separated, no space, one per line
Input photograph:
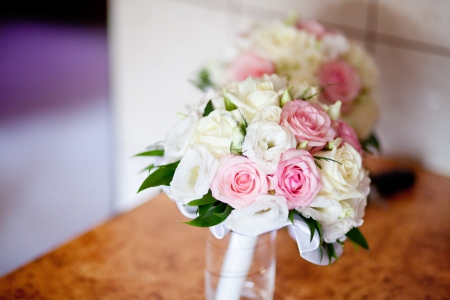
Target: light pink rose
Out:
[348,135]
[314,27]
[238,182]
[341,82]
[308,122]
[297,178]
[249,64]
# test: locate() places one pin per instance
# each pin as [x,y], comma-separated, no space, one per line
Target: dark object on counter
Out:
[389,183]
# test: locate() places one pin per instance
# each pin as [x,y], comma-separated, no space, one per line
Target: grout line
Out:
[212,5]
[370,36]
[398,42]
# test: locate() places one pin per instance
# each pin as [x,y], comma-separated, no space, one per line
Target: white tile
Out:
[415,106]
[155,47]
[347,13]
[419,20]
[210,4]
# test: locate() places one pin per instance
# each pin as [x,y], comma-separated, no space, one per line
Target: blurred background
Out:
[86,85]
[55,125]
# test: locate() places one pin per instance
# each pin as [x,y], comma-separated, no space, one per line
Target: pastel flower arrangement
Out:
[306,51]
[260,155]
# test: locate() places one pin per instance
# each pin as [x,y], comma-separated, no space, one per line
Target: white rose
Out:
[270,113]
[267,213]
[358,204]
[334,45]
[336,231]
[194,175]
[215,132]
[178,138]
[278,82]
[364,64]
[305,91]
[296,54]
[199,107]
[363,116]
[322,209]
[338,217]
[252,95]
[340,177]
[276,39]
[265,142]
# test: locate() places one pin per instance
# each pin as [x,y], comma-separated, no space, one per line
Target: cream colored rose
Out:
[358,204]
[363,116]
[296,54]
[277,40]
[341,174]
[252,95]
[269,114]
[337,217]
[215,132]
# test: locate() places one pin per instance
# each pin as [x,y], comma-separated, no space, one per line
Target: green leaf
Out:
[292,212]
[357,237]
[319,230]
[172,166]
[331,253]
[326,159]
[206,199]
[229,106]
[208,108]
[311,224]
[225,213]
[155,152]
[320,91]
[157,178]
[162,176]
[148,168]
[304,93]
[203,81]
[245,124]
[370,142]
[317,165]
[202,209]
[209,218]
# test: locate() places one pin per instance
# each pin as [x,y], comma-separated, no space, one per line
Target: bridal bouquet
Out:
[259,155]
[305,51]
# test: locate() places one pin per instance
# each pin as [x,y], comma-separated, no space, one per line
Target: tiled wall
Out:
[157,45]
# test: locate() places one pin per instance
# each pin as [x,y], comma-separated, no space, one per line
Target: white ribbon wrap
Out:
[235,267]
[309,249]
[239,253]
[299,231]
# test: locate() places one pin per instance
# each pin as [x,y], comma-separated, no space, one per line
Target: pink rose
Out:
[297,178]
[249,64]
[341,82]
[348,135]
[308,122]
[238,182]
[314,27]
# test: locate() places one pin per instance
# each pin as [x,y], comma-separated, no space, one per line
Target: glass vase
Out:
[240,267]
